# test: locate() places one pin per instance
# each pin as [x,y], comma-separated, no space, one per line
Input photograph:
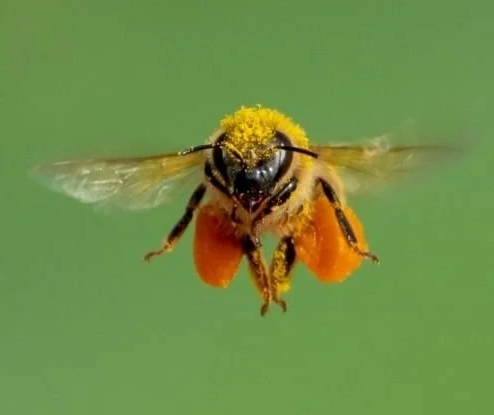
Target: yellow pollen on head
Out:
[250,130]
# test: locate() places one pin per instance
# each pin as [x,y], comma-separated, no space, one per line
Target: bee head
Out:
[253,152]
[252,176]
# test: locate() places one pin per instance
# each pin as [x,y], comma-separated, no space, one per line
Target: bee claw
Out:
[149,255]
[165,249]
[369,255]
[374,258]
[282,304]
[264,308]
[152,254]
[267,303]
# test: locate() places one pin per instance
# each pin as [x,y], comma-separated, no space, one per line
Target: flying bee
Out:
[258,173]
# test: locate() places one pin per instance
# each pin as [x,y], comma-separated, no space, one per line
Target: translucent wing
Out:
[372,164]
[124,183]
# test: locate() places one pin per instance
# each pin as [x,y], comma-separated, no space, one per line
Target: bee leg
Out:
[233,215]
[276,200]
[345,226]
[281,265]
[182,224]
[258,270]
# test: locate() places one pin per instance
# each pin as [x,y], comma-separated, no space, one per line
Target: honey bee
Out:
[258,173]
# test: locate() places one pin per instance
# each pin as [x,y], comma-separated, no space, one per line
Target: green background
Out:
[87,328]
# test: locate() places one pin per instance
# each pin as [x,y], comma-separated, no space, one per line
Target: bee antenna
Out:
[293,149]
[201,147]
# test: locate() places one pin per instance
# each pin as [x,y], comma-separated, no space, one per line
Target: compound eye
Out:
[282,159]
[220,160]
[281,139]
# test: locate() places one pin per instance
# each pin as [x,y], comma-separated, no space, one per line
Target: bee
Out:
[257,174]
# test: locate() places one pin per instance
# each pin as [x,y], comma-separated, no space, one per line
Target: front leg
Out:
[281,266]
[182,224]
[258,270]
[345,226]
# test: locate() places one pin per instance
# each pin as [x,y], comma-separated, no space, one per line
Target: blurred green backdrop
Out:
[87,328]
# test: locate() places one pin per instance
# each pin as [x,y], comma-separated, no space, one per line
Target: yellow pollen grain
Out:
[250,130]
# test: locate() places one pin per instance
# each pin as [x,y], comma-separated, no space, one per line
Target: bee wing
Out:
[373,164]
[125,183]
